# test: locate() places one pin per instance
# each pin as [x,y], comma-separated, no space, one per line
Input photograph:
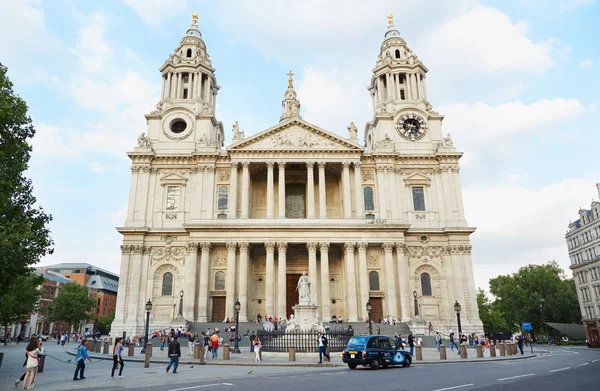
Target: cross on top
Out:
[390,20]
[290,80]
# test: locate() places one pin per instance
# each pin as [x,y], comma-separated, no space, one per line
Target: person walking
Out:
[323,347]
[191,338]
[174,354]
[205,344]
[438,340]
[214,340]
[520,340]
[256,348]
[82,355]
[33,351]
[163,339]
[252,337]
[117,359]
[453,343]
[411,343]
[430,328]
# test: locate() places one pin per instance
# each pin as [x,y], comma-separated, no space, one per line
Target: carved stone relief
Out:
[167,254]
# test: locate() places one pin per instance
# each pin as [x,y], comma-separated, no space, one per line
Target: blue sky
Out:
[518,83]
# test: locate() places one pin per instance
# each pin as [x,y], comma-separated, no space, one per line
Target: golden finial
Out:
[195,19]
[390,20]
[290,80]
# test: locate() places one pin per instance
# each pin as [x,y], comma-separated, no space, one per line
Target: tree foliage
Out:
[491,316]
[20,298]
[72,305]
[103,324]
[24,236]
[536,294]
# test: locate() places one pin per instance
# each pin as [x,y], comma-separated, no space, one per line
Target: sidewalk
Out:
[246,358]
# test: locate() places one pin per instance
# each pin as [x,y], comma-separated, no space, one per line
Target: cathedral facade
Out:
[380,222]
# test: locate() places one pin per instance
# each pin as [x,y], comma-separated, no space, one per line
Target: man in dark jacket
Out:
[411,343]
[252,337]
[174,354]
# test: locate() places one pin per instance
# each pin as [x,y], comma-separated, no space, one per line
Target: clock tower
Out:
[403,120]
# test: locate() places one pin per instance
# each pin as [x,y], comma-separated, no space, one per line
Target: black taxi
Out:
[374,351]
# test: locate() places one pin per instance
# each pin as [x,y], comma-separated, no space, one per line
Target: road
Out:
[559,369]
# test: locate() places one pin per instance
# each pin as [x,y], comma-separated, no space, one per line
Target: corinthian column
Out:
[190,288]
[233,180]
[325,298]
[390,280]
[403,280]
[310,180]
[391,174]
[322,192]
[381,192]
[281,279]
[312,270]
[358,190]
[352,314]
[281,190]
[203,286]
[270,191]
[363,277]
[245,189]
[346,188]
[230,282]
[269,275]
[243,281]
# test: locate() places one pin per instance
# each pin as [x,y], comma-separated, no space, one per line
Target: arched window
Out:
[223,197]
[189,53]
[374,281]
[425,284]
[167,284]
[219,281]
[397,53]
[368,196]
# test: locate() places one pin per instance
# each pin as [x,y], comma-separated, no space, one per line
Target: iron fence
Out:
[305,342]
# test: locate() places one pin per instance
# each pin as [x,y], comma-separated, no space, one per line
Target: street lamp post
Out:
[369,308]
[181,304]
[237,307]
[416,304]
[148,309]
[457,309]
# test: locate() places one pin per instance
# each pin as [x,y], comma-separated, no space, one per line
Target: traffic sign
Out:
[526,326]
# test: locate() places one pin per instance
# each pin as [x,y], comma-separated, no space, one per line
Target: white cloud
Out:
[91,46]
[481,122]
[53,141]
[587,63]
[486,40]
[97,168]
[572,5]
[155,12]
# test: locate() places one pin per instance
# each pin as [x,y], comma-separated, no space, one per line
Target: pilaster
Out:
[325,296]
[390,281]
[243,281]
[281,279]
[230,281]
[203,286]
[363,278]
[351,281]
[269,276]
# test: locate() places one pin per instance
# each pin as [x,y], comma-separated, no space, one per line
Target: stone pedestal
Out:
[305,316]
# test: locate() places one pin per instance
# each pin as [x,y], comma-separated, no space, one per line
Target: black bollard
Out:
[41,363]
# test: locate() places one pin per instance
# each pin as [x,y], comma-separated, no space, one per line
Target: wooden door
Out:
[377,310]
[291,295]
[218,309]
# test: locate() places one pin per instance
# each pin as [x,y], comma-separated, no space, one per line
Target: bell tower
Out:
[184,119]
[402,115]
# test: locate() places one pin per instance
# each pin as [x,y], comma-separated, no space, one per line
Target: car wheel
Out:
[407,362]
[375,364]
[352,366]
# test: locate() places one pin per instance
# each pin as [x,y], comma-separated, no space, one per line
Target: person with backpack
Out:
[411,343]
[322,339]
[174,354]
[453,343]
[215,340]
[82,355]
[117,359]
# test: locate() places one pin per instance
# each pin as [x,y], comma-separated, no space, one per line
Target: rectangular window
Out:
[172,198]
[418,198]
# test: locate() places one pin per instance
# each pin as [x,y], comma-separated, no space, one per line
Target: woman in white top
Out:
[34,349]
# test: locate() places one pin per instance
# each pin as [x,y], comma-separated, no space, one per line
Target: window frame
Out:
[162,285]
[412,193]
[423,292]
[372,198]
[378,281]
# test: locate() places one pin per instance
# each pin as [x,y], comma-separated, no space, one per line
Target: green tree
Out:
[489,313]
[103,324]
[24,233]
[72,305]
[20,298]
[536,294]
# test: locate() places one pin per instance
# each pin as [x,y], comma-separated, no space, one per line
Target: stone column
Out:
[408,87]
[310,181]
[363,278]
[379,90]
[390,280]
[243,281]
[381,192]
[168,93]
[120,313]
[325,297]
[179,85]
[230,281]
[358,192]
[455,175]
[352,315]
[270,191]
[390,86]
[210,191]
[457,278]
[391,174]
[208,89]
[414,85]
[468,264]
[190,85]
[281,190]
[203,286]
[196,197]
[424,87]
[134,281]
[162,88]
[346,190]
[450,195]
[322,192]
[312,271]
[190,288]
[135,173]
[269,279]
[281,279]
[142,206]
[233,179]
[245,189]
[403,280]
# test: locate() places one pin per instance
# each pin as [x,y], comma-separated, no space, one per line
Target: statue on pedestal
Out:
[303,288]
[143,141]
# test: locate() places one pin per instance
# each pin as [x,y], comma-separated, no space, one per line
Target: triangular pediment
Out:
[416,179]
[295,134]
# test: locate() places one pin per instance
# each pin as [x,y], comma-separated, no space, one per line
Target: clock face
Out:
[411,127]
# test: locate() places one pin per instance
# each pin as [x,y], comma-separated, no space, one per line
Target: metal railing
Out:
[305,342]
